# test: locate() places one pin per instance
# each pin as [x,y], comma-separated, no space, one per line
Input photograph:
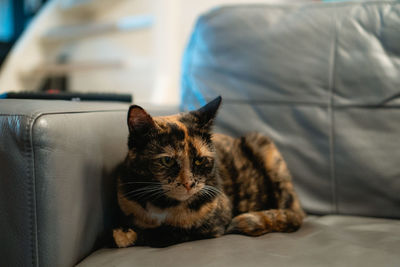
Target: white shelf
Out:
[67,33]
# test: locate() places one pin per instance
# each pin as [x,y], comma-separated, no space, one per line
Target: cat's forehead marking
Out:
[170,133]
[163,120]
[193,144]
[171,123]
[169,151]
[199,147]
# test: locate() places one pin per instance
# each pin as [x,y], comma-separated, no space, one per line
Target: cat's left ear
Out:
[140,124]
[139,121]
[205,115]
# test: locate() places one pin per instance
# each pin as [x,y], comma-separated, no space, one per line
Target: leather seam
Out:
[331,114]
[275,102]
[316,5]
[33,116]
[28,150]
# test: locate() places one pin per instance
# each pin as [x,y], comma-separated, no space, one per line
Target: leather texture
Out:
[55,192]
[322,241]
[320,79]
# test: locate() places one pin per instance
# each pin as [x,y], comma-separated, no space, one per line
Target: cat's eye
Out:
[200,161]
[168,161]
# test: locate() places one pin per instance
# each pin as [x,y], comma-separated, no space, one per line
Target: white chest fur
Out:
[156,213]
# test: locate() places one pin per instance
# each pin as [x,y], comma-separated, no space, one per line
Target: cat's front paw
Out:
[124,238]
[247,224]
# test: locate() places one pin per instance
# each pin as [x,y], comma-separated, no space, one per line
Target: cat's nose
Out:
[188,185]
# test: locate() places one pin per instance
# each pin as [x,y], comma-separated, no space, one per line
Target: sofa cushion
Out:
[315,78]
[322,241]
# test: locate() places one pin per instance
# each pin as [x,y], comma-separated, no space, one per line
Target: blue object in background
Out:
[6,21]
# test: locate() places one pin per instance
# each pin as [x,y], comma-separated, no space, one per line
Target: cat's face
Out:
[174,153]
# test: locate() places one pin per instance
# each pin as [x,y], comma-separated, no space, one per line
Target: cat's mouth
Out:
[183,194]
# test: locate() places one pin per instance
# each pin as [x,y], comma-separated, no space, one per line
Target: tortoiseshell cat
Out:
[180,182]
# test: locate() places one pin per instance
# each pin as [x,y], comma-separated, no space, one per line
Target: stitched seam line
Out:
[36,114]
[316,5]
[34,198]
[333,56]
[30,190]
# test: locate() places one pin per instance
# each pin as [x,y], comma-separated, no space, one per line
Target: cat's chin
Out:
[182,197]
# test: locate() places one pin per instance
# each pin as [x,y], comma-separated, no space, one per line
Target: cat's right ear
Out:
[139,121]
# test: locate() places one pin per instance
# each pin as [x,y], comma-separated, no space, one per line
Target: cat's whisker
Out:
[212,190]
[217,191]
[147,186]
[160,195]
[168,186]
[151,183]
[147,192]
[212,187]
[156,195]
[142,191]
[207,194]
[145,197]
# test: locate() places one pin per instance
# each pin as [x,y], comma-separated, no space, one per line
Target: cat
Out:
[179,182]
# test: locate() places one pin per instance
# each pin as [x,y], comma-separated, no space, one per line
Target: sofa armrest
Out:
[55,197]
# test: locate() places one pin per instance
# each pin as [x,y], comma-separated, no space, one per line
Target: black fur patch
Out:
[259,166]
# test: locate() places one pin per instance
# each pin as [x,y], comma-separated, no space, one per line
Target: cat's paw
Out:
[248,224]
[124,238]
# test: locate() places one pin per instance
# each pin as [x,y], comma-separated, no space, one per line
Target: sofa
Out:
[321,79]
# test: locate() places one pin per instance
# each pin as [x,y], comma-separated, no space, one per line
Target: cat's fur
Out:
[180,182]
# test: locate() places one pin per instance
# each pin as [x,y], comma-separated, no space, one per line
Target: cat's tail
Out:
[257,223]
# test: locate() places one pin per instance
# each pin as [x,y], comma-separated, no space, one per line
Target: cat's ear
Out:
[139,121]
[205,115]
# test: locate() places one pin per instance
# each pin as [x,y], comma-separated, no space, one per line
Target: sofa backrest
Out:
[321,80]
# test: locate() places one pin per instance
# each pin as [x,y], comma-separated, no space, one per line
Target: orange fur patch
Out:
[124,239]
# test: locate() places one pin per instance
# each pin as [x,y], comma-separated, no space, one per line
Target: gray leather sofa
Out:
[320,79]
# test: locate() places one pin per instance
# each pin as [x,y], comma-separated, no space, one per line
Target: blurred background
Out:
[131,46]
